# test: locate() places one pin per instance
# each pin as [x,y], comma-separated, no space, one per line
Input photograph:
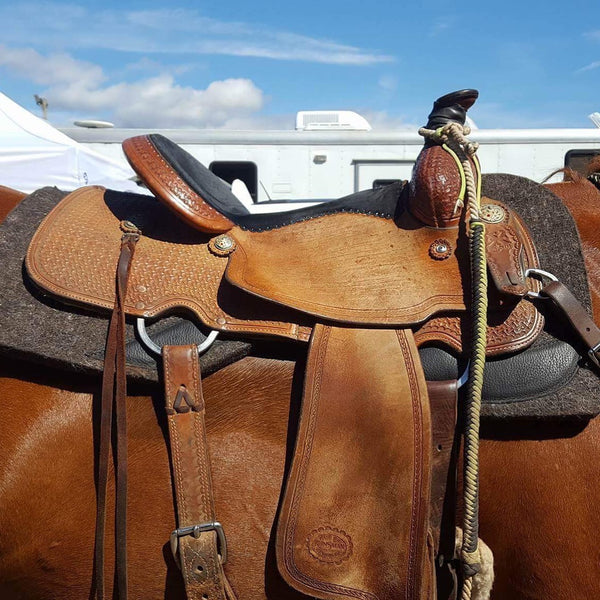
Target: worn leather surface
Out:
[199,556]
[356,270]
[353,519]
[560,389]
[175,269]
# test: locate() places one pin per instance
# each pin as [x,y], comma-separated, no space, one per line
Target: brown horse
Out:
[539,492]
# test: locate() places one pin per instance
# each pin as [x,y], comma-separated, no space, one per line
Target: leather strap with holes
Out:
[197,543]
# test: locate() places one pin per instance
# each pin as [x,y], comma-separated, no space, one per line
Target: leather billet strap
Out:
[443,400]
[198,543]
[582,323]
[114,392]
[355,514]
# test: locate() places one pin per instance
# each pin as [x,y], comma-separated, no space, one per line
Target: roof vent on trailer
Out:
[315,120]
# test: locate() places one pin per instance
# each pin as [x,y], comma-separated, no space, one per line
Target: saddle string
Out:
[452,138]
[114,391]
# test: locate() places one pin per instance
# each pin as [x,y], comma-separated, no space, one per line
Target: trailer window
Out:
[379,183]
[228,170]
[578,160]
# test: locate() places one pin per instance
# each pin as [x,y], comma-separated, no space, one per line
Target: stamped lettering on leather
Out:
[329,545]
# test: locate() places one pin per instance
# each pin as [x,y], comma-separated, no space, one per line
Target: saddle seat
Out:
[206,202]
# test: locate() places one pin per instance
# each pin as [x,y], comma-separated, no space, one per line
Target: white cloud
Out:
[81,87]
[381,120]
[590,67]
[181,31]
[440,25]
[52,69]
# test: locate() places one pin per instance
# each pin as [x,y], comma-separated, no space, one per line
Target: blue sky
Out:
[246,64]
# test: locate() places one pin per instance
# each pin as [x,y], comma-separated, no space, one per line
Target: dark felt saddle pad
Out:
[37,328]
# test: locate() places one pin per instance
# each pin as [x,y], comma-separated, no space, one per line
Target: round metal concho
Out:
[440,249]
[222,245]
[492,213]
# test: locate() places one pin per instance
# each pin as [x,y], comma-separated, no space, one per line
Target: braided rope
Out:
[453,139]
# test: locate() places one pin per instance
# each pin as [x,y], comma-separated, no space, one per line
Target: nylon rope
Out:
[453,139]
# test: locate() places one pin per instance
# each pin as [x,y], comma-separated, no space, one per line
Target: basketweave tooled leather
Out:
[174,268]
[167,185]
[73,253]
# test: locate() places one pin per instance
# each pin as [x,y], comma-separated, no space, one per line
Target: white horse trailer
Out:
[325,163]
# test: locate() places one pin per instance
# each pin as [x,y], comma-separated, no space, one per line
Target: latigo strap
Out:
[198,543]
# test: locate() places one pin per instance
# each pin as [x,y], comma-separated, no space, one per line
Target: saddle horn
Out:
[435,199]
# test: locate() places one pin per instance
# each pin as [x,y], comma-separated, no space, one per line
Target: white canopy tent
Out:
[33,154]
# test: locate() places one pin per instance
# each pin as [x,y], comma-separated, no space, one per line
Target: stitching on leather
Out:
[414,554]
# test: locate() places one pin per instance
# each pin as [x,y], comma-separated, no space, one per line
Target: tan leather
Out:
[353,523]
[168,186]
[74,252]
[71,259]
[356,270]
[199,555]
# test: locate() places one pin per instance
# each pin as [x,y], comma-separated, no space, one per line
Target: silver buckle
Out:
[539,274]
[593,355]
[196,530]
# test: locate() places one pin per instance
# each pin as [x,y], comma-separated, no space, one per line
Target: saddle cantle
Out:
[365,279]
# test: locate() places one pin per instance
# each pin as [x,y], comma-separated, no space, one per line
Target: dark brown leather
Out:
[199,554]
[582,323]
[167,185]
[443,398]
[353,522]
[434,188]
[114,391]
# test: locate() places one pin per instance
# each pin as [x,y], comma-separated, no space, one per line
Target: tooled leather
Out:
[73,260]
[511,328]
[515,332]
[73,253]
[325,547]
[199,557]
[434,188]
[168,186]
[503,248]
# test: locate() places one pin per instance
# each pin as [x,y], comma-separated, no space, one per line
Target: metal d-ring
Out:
[140,326]
[540,274]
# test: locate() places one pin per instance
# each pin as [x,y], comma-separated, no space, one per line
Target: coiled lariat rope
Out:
[452,138]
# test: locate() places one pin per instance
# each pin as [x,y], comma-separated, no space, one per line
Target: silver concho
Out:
[492,213]
[222,245]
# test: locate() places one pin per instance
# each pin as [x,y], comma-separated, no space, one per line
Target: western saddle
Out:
[368,510]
